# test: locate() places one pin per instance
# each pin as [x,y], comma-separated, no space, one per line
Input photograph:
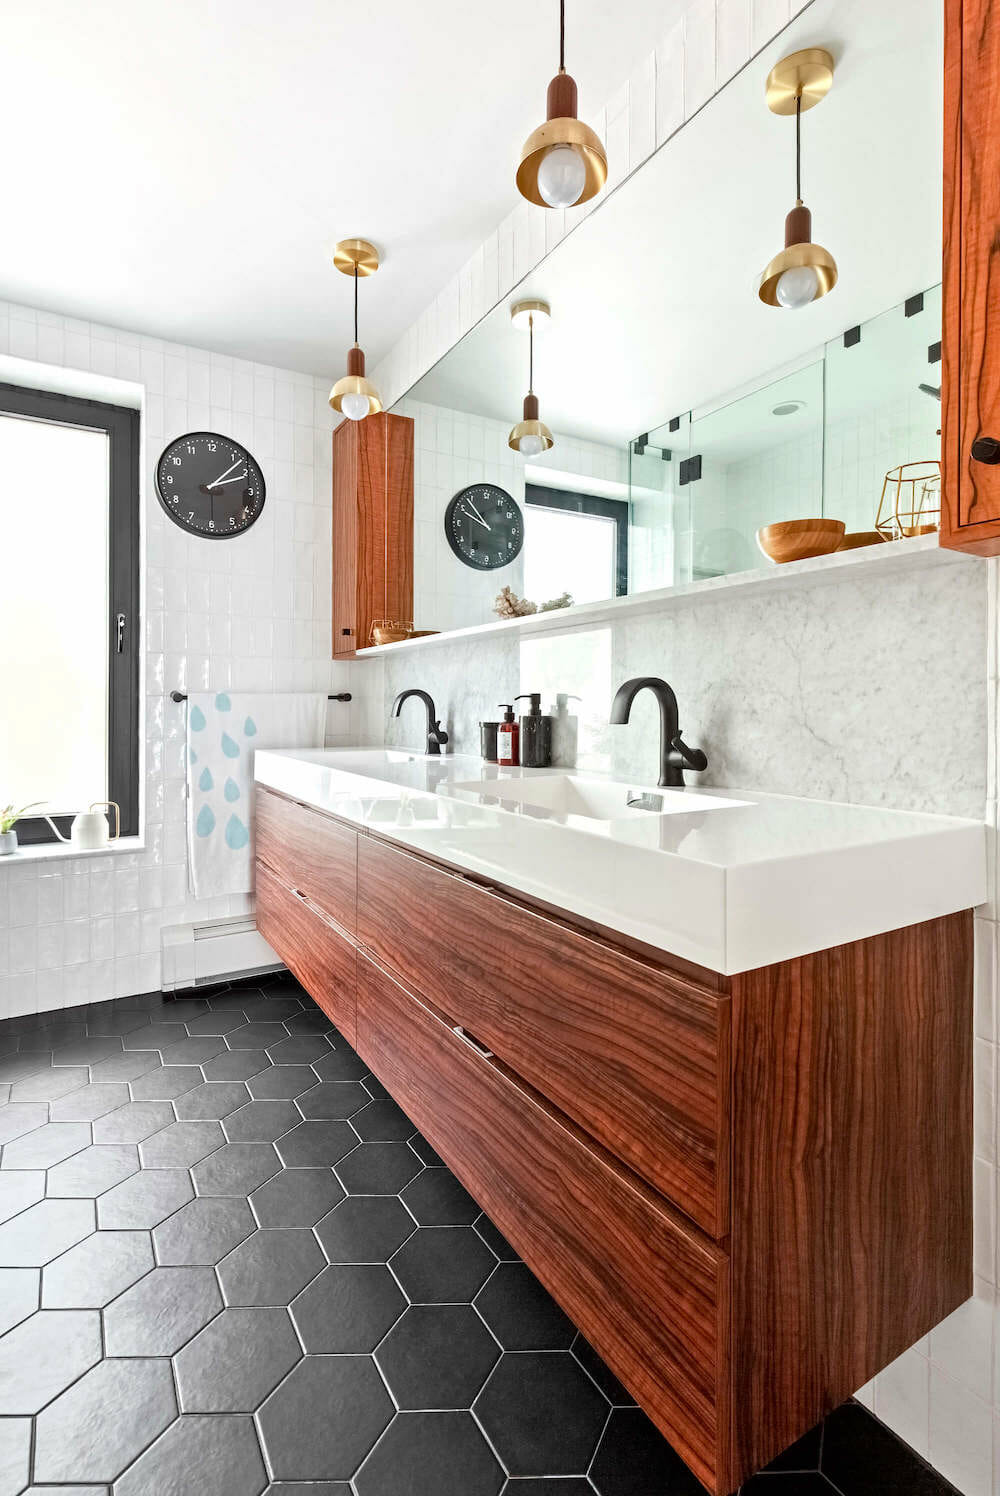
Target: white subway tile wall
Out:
[252,613]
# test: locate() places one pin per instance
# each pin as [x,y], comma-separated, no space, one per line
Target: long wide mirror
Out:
[686,414]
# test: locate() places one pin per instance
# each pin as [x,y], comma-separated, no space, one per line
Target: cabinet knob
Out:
[348,631]
[986,449]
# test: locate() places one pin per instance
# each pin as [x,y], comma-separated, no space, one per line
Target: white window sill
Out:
[62,852]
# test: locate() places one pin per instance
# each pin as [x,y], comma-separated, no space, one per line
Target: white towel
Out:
[223,729]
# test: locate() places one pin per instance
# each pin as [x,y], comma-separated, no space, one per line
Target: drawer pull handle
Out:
[298,894]
[474,1044]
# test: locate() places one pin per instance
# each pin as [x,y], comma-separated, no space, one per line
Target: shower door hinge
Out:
[690,470]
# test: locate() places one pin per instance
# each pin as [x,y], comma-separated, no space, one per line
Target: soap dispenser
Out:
[536,733]
[508,738]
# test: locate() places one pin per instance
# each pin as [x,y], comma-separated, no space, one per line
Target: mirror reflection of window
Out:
[575,543]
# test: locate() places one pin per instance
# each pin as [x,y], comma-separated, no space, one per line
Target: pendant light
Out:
[353,396]
[530,436]
[563,162]
[803,271]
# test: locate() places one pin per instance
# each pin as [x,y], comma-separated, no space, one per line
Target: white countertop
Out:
[732,886]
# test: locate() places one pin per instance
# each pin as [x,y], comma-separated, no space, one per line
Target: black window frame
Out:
[589,503]
[121,423]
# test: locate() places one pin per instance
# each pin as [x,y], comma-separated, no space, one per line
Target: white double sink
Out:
[732,880]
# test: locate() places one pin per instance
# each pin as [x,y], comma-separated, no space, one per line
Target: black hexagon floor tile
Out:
[19,1189]
[261,1121]
[494,1239]
[271,1267]
[134,1122]
[102,1423]
[431,1454]
[299,1049]
[44,1354]
[161,1312]
[213,1454]
[89,1173]
[542,1413]
[378,1168]
[232,1365]
[89,1102]
[382,1121]
[129,1065]
[44,1231]
[235,1169]
[165,1083]
[324,1418]
[437,1356]
[630,1449]
[96,1270]
[214,1100]
[313,1022]
[609,1384]
[522,1316]
[317,1143]
[215,1022]
[181,1144]
[333,1098]
[236,1064]
[19,1295]
[340,1064]
[437,1199]
[296,1197]
[443,1265]
[144,1200]
[203,1231]
[280,1082]
[348,1308]
[49,1085]
[256,1035]
[365,1228]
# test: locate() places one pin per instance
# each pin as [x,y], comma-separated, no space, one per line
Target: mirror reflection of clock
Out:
[484,526]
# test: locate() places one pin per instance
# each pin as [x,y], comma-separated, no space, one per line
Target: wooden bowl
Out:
[857,538]
[795,539]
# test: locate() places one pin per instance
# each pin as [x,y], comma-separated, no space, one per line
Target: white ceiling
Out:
[184,168]
[654,299]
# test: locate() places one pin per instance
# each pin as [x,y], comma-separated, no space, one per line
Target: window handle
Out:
[121,633]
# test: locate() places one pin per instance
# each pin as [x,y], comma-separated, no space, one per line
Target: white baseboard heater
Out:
[220,950]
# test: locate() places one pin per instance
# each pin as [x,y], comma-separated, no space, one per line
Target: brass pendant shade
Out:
[563,162]
[530,437]
[354,396]
[803,271]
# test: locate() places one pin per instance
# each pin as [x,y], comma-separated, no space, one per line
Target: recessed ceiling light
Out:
[787,407]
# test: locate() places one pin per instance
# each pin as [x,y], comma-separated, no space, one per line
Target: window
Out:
[69,521]
[575,543]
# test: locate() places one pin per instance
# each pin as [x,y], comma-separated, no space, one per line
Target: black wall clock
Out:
[210,485]
[484,526]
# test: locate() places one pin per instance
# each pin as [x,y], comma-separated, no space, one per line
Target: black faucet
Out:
[435,732]
[675,755]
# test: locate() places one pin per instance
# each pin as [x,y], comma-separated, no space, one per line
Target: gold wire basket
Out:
[910,503]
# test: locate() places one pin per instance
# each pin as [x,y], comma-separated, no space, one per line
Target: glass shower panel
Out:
[659,508]
[753,461]
[883,408]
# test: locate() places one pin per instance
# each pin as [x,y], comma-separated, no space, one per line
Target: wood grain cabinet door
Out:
[636,1055]
[970,513]
[311,852]
[372,527]
[320,956]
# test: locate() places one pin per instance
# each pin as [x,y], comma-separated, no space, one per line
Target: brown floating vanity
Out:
[749,1192]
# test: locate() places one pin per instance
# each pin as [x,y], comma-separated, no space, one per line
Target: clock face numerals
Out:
[210,485]
[484,526]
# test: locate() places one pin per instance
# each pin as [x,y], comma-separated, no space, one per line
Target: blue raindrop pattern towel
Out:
[223,730]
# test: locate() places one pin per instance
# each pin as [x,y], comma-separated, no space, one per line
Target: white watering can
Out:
[90,828]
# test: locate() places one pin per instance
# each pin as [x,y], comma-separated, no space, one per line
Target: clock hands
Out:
[475,514]
[221,482]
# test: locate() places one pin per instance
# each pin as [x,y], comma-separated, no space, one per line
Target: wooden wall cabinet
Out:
[372,527]
[750,1193]
[970,417]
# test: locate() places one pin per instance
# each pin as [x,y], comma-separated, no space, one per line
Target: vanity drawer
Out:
[647,1290]
[320,956]
[639,1057]
[311,852]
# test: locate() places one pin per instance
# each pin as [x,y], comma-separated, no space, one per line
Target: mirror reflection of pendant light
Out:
[353,396]
[530,436]
[563,162]
[803,271]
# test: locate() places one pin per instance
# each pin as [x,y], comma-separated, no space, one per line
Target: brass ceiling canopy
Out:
[563,162]
[354,396]
[803,271]
[527,315]
[530,436]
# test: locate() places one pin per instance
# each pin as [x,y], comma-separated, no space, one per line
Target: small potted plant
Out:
[9,818]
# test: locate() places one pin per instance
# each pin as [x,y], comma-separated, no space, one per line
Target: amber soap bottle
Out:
[508,739]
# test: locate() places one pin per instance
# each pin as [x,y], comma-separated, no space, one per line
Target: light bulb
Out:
[562,176]
[354,407]
[531,444]
[797,287]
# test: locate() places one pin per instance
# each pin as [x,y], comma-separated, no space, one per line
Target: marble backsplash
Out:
[871,690]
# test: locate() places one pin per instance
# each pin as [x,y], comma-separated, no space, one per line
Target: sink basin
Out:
[596,799]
